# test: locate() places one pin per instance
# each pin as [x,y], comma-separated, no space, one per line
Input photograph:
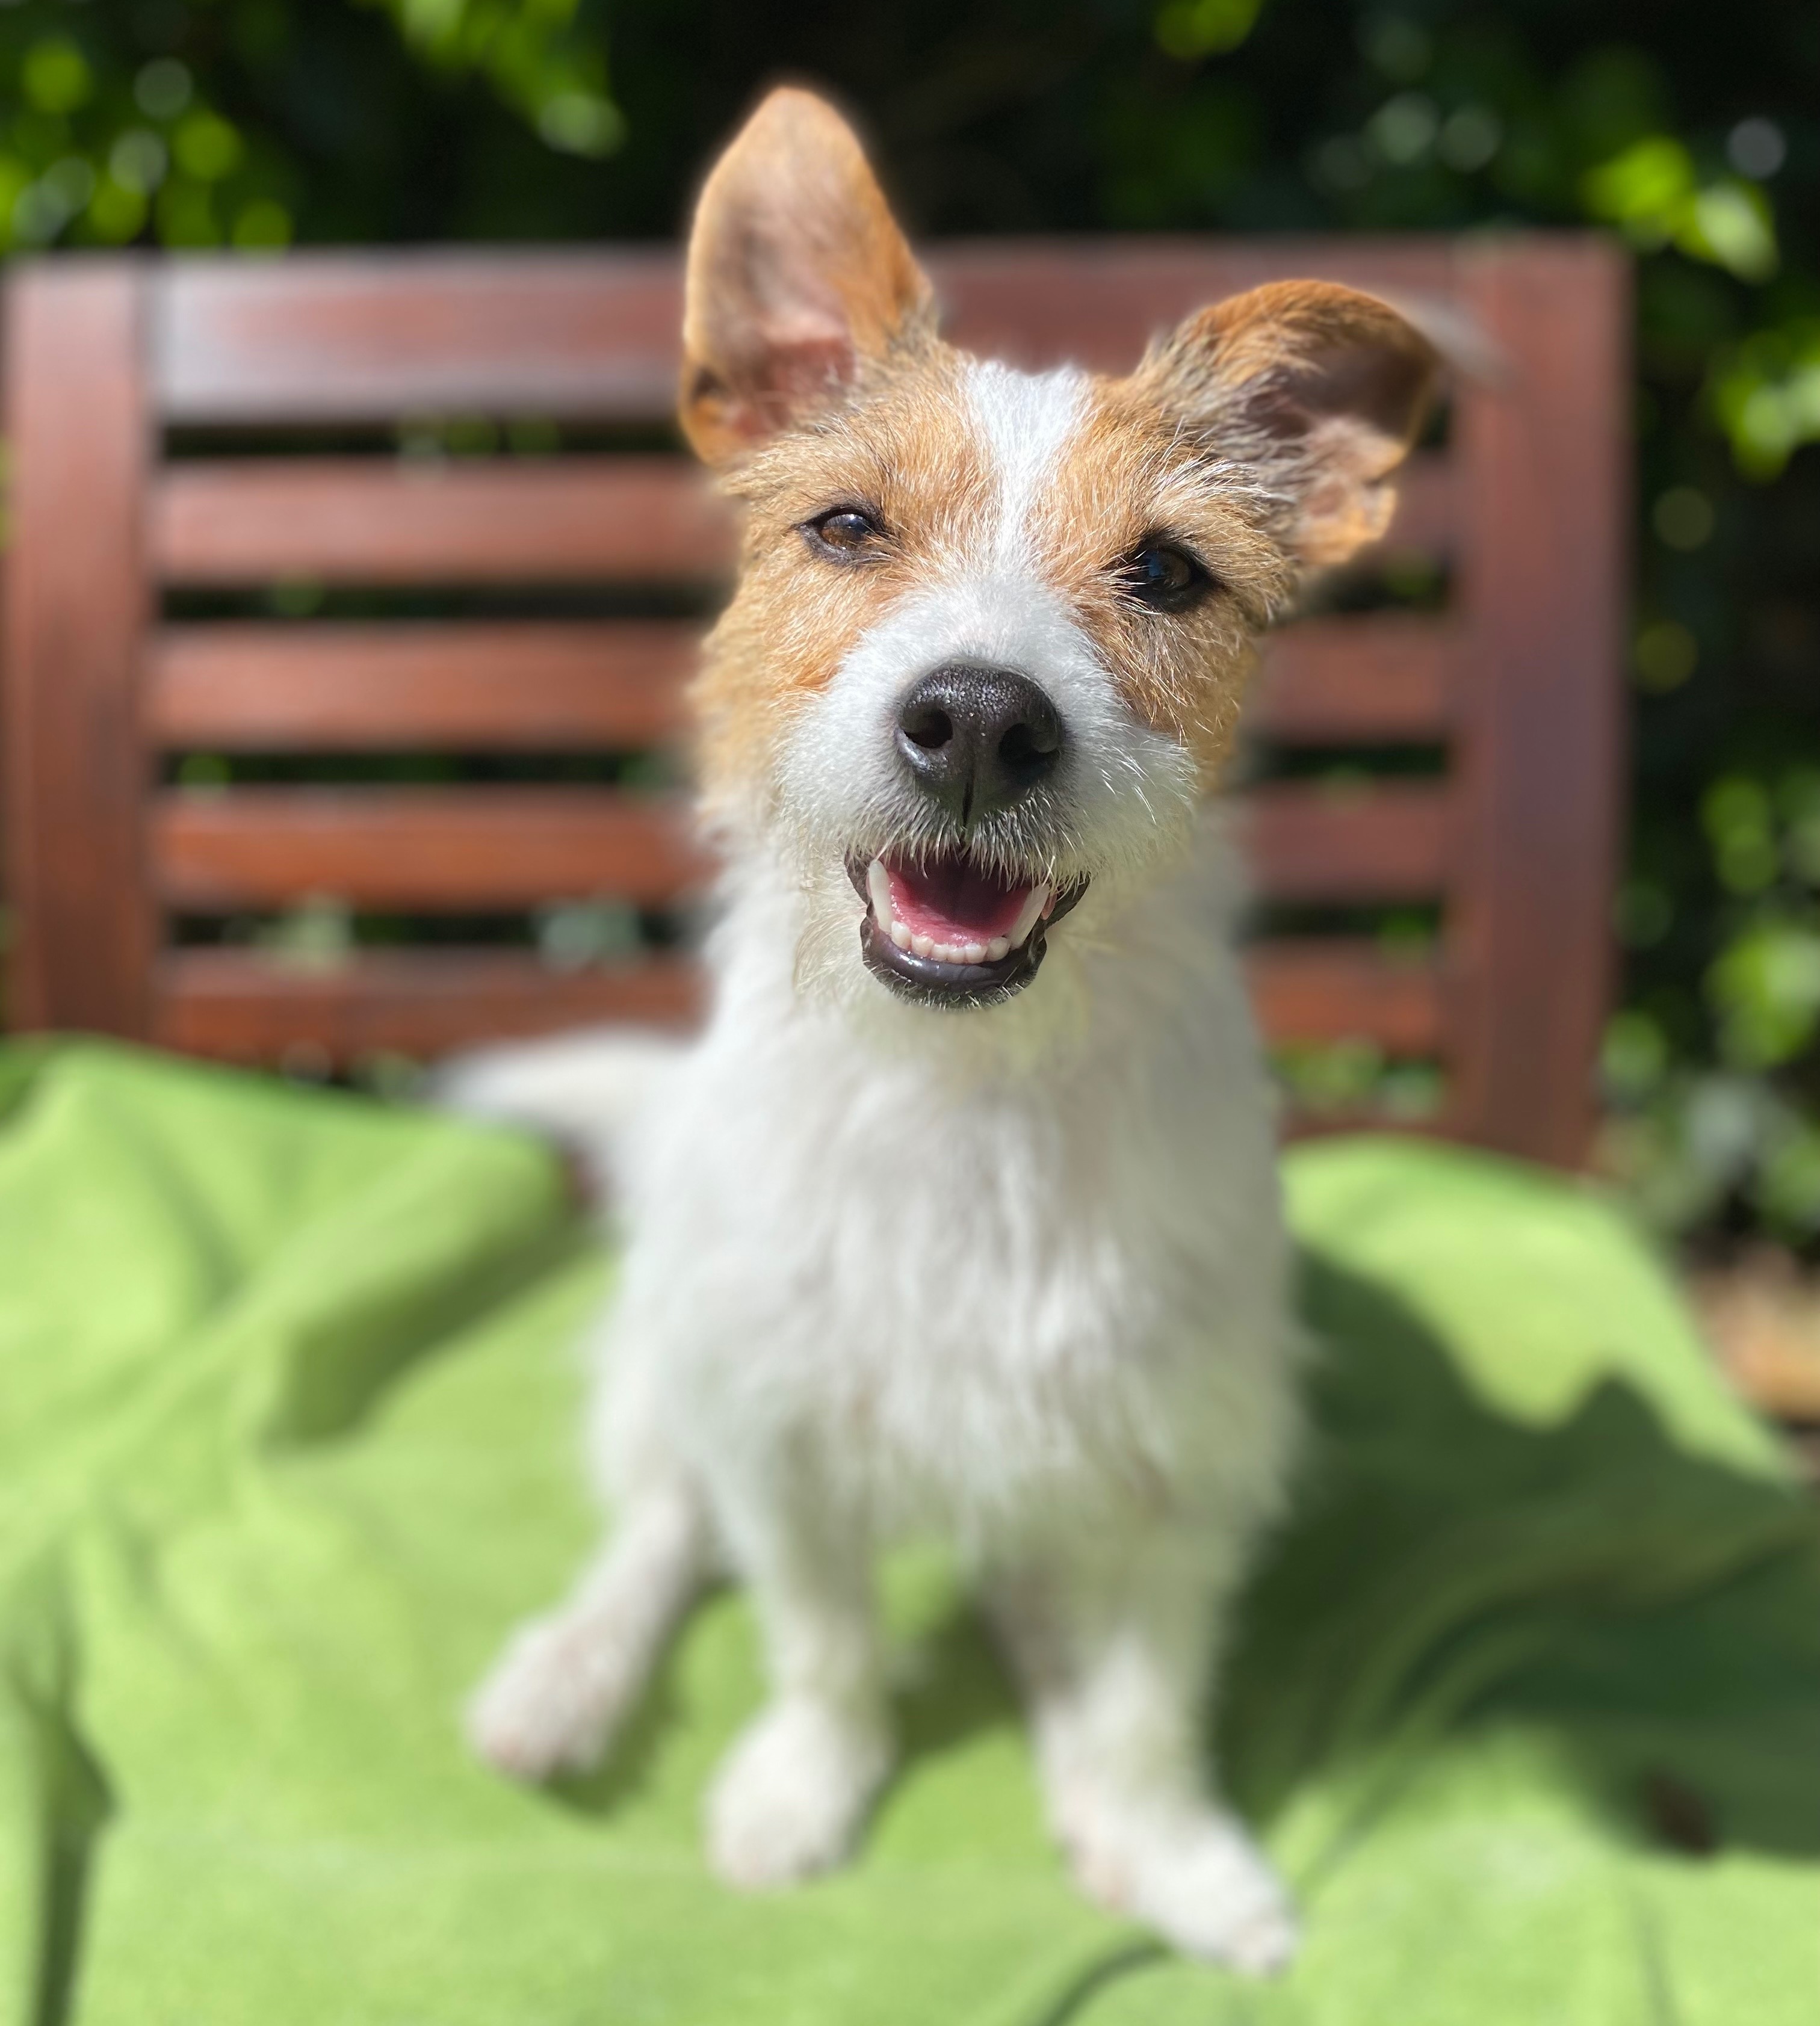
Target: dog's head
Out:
[992,628]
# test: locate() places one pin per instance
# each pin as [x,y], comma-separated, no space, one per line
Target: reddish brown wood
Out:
[1343,990]
[1386,841]
[442,849]
[1098,301]
[1544,458]
[75,775]
[374,520]
[1518,682]
[538,686]
[618,685]
[1382,678]
[248,1007]
[368,338]
[465,848]
[371,336]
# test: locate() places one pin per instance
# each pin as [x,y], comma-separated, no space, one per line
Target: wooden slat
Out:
[560,519]
[247,1006]
[1346,989]
[1383,842]
[353,337]
[78,432]
[1097,302]
[368,338]
[1546,462]
[379,521]
[1383,678]
[611,686]
[618,684]
[449,850]
[464,848]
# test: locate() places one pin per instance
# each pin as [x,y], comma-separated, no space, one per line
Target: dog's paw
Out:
[1202,1884]
[792,1794]
[548,1707]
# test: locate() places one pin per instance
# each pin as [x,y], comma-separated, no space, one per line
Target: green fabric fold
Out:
[1526,1697]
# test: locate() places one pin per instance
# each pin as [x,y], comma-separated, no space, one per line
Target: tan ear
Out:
[1323,388]
[797,274]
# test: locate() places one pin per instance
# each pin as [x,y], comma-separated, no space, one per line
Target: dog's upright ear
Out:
[798,274]
[1323,388]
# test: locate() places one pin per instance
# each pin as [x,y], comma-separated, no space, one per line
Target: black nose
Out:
[975,739]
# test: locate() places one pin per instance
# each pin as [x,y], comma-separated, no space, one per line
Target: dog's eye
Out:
[1166,578]
[845,533]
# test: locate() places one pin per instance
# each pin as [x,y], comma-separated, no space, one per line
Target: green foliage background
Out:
[1694,132]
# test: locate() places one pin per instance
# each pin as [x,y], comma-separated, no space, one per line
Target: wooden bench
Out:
[188,434]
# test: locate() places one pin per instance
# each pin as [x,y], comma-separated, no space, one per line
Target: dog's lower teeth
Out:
[900,935]
[999,946]
[922,945]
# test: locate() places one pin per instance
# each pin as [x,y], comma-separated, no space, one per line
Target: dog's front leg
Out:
[1115,1655]
[791,1795]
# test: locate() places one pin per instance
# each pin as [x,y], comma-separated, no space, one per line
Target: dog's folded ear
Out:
[797,273]
[1322,389]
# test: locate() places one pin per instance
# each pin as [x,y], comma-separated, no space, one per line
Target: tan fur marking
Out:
[902,449]
[1127,474]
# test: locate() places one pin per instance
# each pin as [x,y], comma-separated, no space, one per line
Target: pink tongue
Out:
[952,901]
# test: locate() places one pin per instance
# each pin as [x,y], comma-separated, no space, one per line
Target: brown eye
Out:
[1166,578]
[845,533]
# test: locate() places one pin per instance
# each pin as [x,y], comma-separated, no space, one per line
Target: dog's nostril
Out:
[929,727]
[1026,750]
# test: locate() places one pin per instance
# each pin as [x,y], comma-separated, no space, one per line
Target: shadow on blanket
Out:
[1445,1565]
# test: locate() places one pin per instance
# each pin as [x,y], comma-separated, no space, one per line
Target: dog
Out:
[960,1218]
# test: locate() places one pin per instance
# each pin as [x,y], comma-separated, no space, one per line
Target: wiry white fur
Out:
[1016,1275]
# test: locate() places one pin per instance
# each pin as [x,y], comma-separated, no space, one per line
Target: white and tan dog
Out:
[961,1216]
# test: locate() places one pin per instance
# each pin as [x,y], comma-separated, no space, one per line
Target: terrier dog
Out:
[961,1216]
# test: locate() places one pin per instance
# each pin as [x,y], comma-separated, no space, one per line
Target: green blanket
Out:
[1527,1699]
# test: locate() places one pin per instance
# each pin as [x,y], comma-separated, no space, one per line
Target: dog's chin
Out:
[941,930]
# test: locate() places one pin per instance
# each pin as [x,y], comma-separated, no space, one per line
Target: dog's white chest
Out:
[958,1293]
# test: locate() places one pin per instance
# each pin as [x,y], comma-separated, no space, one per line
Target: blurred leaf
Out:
[1191,28]
[1765,988]
[1652,191]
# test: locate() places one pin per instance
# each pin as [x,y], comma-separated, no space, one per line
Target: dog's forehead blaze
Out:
[975,468]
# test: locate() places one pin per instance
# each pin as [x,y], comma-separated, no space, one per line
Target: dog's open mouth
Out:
[949,931]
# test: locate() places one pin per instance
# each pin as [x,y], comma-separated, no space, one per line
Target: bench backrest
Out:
[201,447]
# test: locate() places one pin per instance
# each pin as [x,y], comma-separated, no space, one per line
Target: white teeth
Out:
[1035,902]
